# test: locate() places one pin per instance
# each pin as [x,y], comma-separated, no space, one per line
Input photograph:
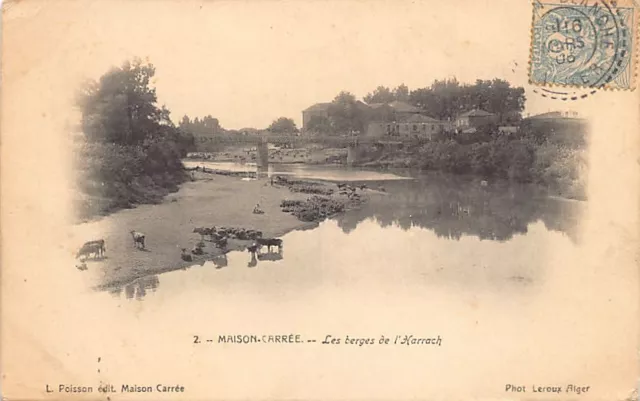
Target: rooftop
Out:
[403,107]
[419,118]
[318,107]
[555,114]
[476,113]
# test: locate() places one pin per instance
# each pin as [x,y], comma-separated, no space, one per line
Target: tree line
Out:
[443,100]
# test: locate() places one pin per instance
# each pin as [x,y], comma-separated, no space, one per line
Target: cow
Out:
[221,242]
[253,234]
[138,238]
[185,255]
[269,242]
[101,245]
[205,231]
[90,248]
[198,250]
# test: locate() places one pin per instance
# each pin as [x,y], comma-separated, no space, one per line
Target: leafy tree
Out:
[132,153]
[381,94]
[497,96]
[206,127]
[283,125]
[185,123]
[444,99]
[448,98]
[121,106]
[401,93]
[319,124]
[345,114]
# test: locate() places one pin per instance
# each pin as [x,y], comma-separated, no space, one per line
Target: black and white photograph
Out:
[336,200]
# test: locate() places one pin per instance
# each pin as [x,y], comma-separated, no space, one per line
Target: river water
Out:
[429,227]
[299,170]
[496,272]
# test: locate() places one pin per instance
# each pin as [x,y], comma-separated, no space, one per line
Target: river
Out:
[497,272]
[430,227]
[308,171]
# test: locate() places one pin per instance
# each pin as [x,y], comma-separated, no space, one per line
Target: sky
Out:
[250,62]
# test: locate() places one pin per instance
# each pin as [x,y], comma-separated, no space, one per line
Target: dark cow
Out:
[203,231]
[90,248]
[220,241]
[186,256]
[269,242]
[100,244]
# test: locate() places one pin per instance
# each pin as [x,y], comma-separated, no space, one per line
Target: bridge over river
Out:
[354,144]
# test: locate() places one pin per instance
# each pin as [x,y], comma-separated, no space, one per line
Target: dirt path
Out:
[211,200]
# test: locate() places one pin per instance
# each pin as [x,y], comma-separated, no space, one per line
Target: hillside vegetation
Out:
[530,156]
[130,152]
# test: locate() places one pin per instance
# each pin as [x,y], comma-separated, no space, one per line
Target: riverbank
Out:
[560,169]
[209,200]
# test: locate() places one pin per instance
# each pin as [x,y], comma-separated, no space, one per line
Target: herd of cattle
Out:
[97,248]
[218,235]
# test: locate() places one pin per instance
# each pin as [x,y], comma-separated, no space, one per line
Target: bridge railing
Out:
[338,141]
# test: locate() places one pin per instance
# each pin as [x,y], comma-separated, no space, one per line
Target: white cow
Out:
[138,238]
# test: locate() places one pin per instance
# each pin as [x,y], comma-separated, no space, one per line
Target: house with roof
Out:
[392,111]
[566,127]
[317,110]
[404,108]
[555,116]
[397,118]
[321,110]
[474,119]
[415,126]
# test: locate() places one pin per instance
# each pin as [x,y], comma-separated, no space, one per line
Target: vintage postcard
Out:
[320,200]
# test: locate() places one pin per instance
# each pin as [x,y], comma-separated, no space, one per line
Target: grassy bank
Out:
[130,151]
[113,177]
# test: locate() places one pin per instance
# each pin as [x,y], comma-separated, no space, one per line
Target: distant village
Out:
[398,120]
[401,120]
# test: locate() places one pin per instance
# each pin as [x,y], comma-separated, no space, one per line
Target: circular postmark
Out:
[564,94]
[585,45]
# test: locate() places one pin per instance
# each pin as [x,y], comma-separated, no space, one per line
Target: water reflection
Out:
[270,256]
[138,288]
[274,251]
[452,207]
[220,261]
[253,262]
